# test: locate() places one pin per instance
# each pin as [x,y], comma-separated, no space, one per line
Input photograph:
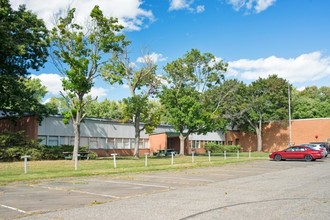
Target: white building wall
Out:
[210,136]
[107,134]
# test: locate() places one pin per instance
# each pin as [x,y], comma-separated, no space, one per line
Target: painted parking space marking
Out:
[180,178]
[13,208]
[80,191]
[95,194]
[130,183]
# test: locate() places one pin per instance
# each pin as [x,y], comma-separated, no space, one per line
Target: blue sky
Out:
[290,38]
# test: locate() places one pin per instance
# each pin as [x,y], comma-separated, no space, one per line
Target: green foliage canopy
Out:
[186,97]
[23,48]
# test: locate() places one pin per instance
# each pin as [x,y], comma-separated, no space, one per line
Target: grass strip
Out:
[39,170]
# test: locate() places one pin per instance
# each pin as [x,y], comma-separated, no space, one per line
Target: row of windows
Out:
[94,142]
[110,143]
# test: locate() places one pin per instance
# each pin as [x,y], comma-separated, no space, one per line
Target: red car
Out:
[297,152]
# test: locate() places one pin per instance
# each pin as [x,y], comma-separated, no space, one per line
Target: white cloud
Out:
[154,57]
[200,8]
[51,81]
[125,86]
[304,68]
[185,5]
[129,12]
[98,92]
[255,6]
[179,4]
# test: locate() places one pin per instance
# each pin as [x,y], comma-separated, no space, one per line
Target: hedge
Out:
[15,145]
[218,148]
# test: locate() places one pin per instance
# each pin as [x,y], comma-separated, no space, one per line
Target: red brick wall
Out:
[276,135]
[157,142]
[28,124]
[304,131]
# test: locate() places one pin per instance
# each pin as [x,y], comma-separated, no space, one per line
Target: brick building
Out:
[276,135]
[106,137]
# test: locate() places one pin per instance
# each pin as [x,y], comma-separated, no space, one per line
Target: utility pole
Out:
[290,130]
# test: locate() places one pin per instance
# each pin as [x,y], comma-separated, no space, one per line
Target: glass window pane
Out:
[53,141]
[43,140]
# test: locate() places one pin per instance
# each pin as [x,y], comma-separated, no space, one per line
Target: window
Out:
[93,143]
[102,143]
[84,141]
[43,140]
[111,143]
[119,143]
[126,143]
[53,141]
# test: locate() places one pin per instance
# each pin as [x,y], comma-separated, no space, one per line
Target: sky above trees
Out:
[256,37]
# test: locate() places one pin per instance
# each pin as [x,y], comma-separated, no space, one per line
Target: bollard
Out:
[172,161]
[114,160]
[146,159]
[237,154]
[192,156]
[209,152]
[76,162]
[249,153]
[225,155]
[25,157]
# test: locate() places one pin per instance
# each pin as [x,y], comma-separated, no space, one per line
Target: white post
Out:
[225,155]
[192,156]
[76,162]
[249,153]
[209,152]
[172,161]
[237,154]
[25,157]
[146,159]
[114,160]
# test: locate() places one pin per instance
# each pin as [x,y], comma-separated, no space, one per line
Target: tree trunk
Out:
[76,129]
[137,135]
[182,140]
[259,135]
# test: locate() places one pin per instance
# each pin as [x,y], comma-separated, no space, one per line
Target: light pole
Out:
[290,130]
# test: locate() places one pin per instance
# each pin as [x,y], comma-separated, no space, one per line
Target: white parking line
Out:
[12,208]
[79,191]
[180,178]
[130,183]
[95,194]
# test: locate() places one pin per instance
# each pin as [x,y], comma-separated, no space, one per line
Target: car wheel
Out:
[308,157]
[278,157]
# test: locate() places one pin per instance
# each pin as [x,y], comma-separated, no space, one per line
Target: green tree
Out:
[35,85]
[232,101]
[23,48]
[106,109]
[312,102]
[265,100]
[186,99]
[79,54]
[143,83]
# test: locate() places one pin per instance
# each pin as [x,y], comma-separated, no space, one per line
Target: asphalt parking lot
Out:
[252,190]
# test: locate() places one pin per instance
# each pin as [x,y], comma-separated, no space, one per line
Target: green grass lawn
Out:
[38,170]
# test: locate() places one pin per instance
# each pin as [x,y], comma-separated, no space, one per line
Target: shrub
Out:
[92,155]
[218,148]
[15,145]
